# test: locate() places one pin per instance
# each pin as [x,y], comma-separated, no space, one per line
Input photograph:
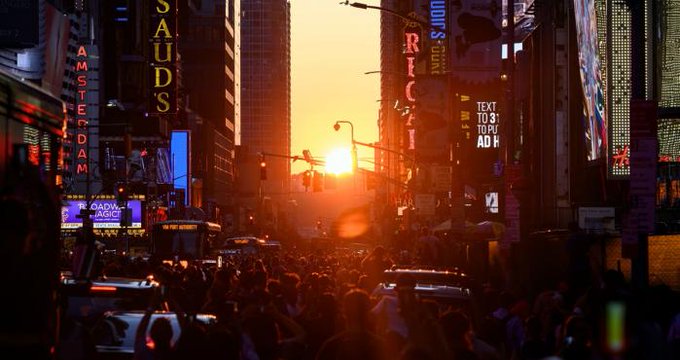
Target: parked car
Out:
[114,333]
[447,288]
[112,308]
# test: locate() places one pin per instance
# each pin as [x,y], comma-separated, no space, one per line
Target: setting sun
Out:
[339,161]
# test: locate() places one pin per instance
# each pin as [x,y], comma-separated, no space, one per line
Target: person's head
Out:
[328,307]
[356,306]
[161,333]
[532,326]
[379,251]
[264,333]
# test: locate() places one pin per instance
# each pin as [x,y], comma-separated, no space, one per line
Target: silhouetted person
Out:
[357,341]
[458,335]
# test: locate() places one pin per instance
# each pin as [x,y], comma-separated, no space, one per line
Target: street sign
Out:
[441,178]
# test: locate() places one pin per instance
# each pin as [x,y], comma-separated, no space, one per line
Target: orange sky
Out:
[332,46]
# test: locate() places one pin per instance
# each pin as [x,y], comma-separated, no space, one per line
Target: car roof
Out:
[117,282]
[429,290]
[454,277]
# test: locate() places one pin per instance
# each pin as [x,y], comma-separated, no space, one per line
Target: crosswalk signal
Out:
[306,179]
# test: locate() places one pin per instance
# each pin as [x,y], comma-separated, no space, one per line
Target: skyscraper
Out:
[208,46]
[265,88]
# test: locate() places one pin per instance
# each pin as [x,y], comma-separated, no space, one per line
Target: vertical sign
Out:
[81,132]
[438,41]
[412,48]
[163,62]
[180,149]
[86,121]
[618,92]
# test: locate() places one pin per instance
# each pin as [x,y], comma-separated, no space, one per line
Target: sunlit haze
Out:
[332,47]
[339,161]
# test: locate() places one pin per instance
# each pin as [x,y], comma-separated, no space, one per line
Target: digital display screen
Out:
[107,214]
[595,124]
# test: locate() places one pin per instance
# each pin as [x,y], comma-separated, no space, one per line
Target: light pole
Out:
[336,126]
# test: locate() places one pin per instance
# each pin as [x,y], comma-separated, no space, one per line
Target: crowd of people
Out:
[319,305]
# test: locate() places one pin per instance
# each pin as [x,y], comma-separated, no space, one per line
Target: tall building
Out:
[44,53]
[265,88]
[393,107]
[207,45]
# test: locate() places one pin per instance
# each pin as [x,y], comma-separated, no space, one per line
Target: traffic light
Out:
[306,179]
[121,194]
[317,184]
[263,168]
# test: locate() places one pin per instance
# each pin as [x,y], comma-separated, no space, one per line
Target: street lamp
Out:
[354,145]
[395,13]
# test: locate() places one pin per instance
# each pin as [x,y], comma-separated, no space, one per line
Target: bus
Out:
[242,245]
[176,240]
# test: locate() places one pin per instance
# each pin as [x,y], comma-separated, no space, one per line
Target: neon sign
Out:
[162,72]
[412,48]
[438,48]
[81,112]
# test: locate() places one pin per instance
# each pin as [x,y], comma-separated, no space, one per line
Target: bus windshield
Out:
[184,244]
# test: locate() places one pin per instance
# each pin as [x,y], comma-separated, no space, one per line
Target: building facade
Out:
[208,47]
[265,89]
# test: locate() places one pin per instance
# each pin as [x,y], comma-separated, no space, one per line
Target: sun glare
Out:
[339,161]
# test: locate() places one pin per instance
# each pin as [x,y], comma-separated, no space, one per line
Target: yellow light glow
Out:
[339,161]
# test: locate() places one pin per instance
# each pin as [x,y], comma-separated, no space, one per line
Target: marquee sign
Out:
[106,214]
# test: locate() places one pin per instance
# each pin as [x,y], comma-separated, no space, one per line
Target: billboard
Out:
[107,214]
[594,110]
[476,40]
[180,155]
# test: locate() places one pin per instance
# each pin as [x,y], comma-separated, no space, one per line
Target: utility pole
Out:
[642,184]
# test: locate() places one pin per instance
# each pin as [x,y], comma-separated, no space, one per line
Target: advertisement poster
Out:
[476,40]
[591,79]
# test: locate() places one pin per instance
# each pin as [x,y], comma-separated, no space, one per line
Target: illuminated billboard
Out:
[476,41]
[594,111]
[163,62]
[180,155]
[107,214]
